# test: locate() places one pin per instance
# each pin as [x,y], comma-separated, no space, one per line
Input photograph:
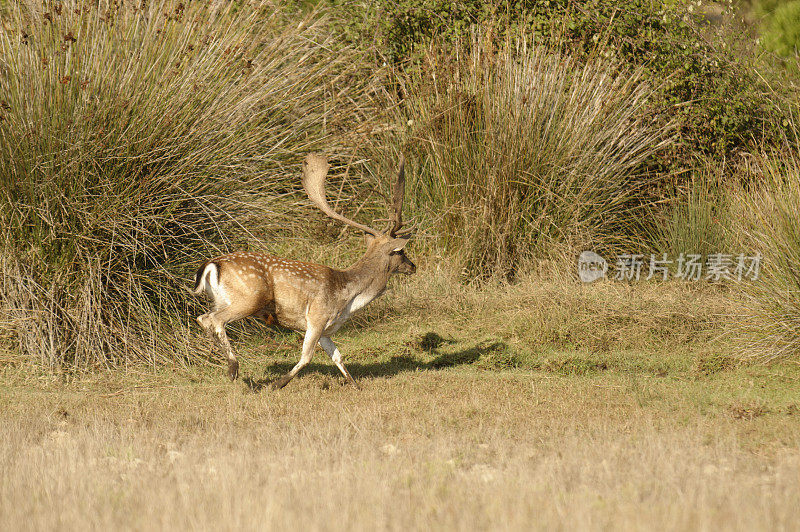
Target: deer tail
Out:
[206,279]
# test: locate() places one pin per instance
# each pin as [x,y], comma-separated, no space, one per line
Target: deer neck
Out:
[366,280]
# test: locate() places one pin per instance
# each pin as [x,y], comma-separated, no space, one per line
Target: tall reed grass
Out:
[698,219]
[133,139]
[770,222]
[526,152]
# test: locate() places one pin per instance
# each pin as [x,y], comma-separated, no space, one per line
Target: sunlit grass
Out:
[440,436]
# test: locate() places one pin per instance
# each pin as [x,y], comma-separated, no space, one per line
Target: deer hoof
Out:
[233,369]
[278,384]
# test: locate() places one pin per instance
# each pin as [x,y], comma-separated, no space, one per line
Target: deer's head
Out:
[386,248]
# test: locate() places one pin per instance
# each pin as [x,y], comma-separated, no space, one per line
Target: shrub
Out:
[528,153]
[781,30]
[706,81]
[771,319]
[132,139]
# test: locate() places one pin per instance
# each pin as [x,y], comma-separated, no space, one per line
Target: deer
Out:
[312,299]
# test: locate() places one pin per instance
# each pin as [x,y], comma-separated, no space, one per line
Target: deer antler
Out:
[398,193]
[315,170]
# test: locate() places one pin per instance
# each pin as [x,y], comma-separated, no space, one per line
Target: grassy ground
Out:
[491,408]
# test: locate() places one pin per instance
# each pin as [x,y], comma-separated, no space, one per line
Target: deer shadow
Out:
[394,366]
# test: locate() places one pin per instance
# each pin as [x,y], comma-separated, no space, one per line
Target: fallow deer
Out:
[304,296]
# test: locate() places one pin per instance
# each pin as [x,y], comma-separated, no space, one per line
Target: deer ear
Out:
[369,239]
[398,244]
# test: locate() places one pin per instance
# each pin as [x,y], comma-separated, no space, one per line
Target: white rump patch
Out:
[209,283]
[209,280]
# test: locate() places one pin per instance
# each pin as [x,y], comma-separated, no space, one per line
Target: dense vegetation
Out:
[137,138]
[150,135]
[703,75]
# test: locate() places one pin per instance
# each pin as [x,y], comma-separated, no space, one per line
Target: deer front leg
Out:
[333,352]
[309,343]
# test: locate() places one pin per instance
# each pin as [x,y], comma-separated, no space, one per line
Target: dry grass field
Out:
[480,409]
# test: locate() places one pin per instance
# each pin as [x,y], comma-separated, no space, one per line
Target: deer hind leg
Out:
[214,324]
[333,352]
[309,344]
